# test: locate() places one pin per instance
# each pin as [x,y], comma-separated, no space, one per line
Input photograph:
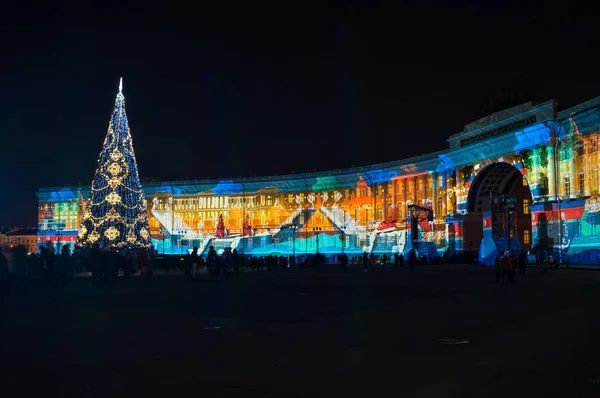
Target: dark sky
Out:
[267,89]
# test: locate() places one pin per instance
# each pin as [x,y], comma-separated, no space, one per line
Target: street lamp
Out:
[163,232]
[317,230]
[59,228]
[294,227]
[180,233]
[343,229]
[184,235]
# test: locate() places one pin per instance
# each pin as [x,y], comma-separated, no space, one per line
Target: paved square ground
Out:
[437,332]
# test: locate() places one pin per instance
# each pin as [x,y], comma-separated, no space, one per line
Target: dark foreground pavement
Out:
[307,335]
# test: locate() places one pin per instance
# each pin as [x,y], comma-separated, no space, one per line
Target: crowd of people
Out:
[106,263]
[230,262]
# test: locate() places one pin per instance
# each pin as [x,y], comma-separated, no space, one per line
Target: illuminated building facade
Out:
[524,178]
[25,237]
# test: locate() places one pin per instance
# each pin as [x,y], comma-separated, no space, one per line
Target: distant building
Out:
[20,237]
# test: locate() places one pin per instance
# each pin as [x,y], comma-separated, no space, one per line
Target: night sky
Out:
[267,89]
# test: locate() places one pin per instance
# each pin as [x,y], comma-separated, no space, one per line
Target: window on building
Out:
[526,206]
[440,207]
[593,144]
[567,185]
[564,149]
[440,181]
[378,213]
[525,182]
[595,176]
[581,183]
[578,148]
[526,237]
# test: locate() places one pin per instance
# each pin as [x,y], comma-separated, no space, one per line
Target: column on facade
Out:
[445,190]
[404,198]
[459,186]
[384,190]
[374,201]
[572,171]
[586,167]
[424,190]
[535,179]
[551,172]
[395,198]
[414,192]
[434,192]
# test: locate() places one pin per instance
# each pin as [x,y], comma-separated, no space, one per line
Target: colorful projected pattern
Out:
[365,209]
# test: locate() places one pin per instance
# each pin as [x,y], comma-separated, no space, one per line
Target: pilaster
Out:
[551,172]
[434,192]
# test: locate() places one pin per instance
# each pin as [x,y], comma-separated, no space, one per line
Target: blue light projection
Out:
[63,195]
[532,136]
[445,164]
[167,189]
[379,176]
[227,187]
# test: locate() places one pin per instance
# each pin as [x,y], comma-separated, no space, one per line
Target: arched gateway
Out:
[499,212]
[435,203]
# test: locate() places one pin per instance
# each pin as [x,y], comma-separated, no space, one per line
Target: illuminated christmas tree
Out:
[116,211]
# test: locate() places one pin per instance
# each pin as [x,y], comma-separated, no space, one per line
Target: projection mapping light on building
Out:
[542,162]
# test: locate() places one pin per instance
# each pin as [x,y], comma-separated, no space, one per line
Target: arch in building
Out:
[497,178]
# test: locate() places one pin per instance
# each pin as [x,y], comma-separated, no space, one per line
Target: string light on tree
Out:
[116,212]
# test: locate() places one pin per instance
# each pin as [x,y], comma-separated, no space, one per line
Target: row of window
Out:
[580,189]
[578,148]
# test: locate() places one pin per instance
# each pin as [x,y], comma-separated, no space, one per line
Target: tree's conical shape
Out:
[116,213]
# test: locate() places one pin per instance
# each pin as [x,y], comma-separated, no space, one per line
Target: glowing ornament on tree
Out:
[114,182]
[116,213]
[131,237]
[114,169]
[116,155]
[93,237]
[112,233]
[113,198]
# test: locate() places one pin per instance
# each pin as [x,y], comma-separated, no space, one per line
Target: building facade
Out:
[523,179]
[26,237]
